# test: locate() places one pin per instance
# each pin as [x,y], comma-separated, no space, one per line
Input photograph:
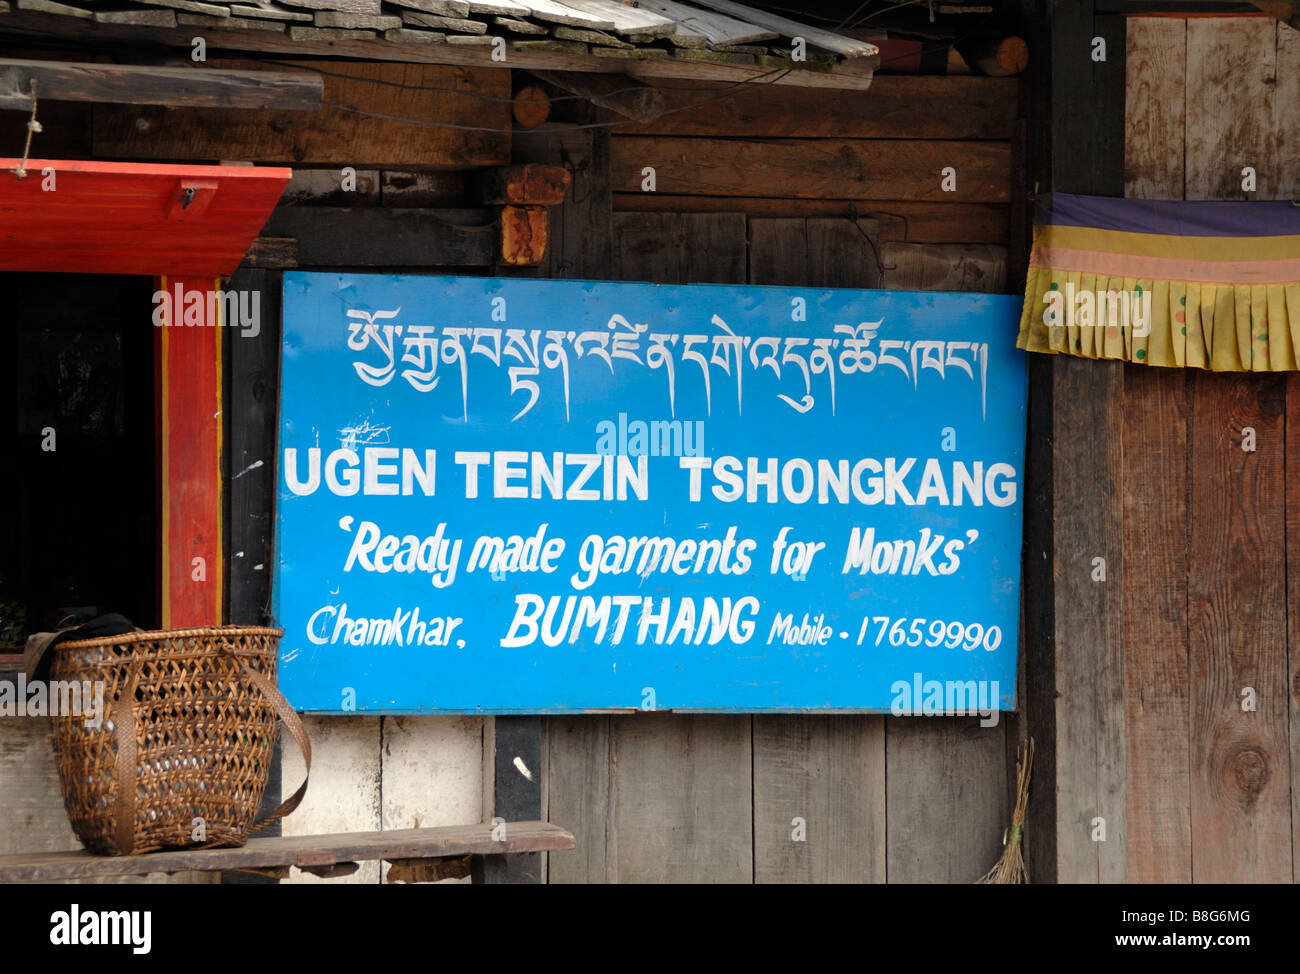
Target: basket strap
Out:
[125,778]
[292,721]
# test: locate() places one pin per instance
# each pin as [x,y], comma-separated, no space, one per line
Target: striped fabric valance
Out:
[1205,285]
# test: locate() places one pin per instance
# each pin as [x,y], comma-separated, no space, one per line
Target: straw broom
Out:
[1010,867]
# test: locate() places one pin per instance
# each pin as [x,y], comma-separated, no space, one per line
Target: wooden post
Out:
[1085,724]
[189,340]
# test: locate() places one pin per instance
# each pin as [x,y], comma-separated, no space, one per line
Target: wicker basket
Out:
[180,755]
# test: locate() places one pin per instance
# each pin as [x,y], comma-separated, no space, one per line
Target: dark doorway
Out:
[78,488]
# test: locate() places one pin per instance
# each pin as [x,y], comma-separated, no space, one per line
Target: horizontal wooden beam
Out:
[844,169]
[315,851]
[905,220]
[139,85]
[898,106]
[348,236]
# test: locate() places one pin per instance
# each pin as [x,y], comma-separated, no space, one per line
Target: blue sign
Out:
[519,496]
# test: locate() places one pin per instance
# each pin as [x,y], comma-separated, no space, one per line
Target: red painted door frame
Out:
[187,225]
[188,341]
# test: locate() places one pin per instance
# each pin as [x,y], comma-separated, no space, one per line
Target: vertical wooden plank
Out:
[252,415]
[190,455]
[1087,396]
[682,798]
[1292,601]
[1240,796]
[1281,181]
[1231,65]
[1240,772]
[1156,413]
[516,794]
[1037,696]
[1155,107]
[828,771]
[1089,649]
[251,396]
[947,798]
[578,783]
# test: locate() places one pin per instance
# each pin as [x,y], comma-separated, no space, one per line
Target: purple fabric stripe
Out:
[1174,218]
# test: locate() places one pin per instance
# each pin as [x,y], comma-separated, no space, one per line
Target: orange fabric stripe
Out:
[1166,268]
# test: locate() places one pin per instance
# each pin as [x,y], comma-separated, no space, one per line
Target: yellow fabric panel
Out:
[1223,328]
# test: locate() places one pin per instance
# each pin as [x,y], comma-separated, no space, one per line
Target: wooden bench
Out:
[415,855]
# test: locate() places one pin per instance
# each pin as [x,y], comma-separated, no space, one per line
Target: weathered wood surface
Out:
[1089,637]
[324,187]
[1157,407]
[815,253]
[896,106]
[1089,744]
[303,41]
[1240,775]
[946,802]
[1231,70]
[1155,570]
[792,28]
[1240,760]
[682,799]
[944,267]
[141,85]
[422,189]
[275,253]
[1281,179]
[815,168]
[1293,599]
[668,248]
[382,237]
[898,219]
[1155,109]
[300,851]
[342,135]
[828,772]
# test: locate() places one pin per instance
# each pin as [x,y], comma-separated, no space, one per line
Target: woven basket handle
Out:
[292,721]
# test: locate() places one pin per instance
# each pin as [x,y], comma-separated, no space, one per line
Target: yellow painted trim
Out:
[221,480]
[164,494]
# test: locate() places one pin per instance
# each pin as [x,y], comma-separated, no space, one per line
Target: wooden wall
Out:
[774,186]
[1150,733]
[778,187]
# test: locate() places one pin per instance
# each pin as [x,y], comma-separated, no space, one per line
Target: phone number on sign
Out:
[931,632]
